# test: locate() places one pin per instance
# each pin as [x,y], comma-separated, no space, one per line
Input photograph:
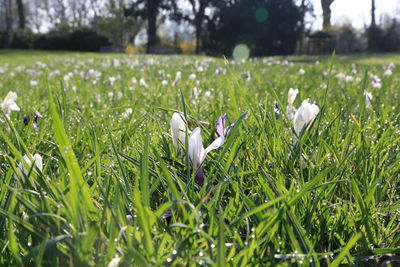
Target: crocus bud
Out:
[304,116]
[197,153]
[276,110]
[38,162]
[292,96]
[36,116]
[178,130]
[368,98]
[220,125]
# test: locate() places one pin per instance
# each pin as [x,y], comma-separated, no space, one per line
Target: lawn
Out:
[112,185]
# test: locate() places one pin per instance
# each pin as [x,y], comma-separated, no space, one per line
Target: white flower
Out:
[143,83]
[387,72]
[9,104]
[368,98]
[33,83]
[110,95]
[340,76]
[197,153]
[207,94]
[178,130]
[304,116]
[302,71]
[38,162]
[292,95]
[290,110]
[164,82]
[348,78]
[376,82]
[127,113]
[192,76]
[119,95]
[178,75]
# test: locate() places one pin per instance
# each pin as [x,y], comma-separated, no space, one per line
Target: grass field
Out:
[113,190]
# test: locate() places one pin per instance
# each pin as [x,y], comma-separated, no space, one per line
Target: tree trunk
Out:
[373,22]
[9,23]
[21,14]
[198,21]
[198,33]
[374,34]
[152,10]
[326,14]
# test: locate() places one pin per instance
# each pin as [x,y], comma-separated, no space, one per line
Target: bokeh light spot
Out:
[261,14]
[241,51]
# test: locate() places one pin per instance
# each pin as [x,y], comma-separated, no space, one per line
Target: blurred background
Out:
[234,28]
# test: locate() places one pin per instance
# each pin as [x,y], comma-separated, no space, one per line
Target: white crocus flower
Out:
[290,110]
[143,83]
[38,162]
[127,113]
[304,116]
[9,104]
[388,72]
[197,153]
[292,95]
[178,130]
[368,98]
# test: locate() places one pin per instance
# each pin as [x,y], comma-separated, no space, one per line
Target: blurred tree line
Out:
[266,27]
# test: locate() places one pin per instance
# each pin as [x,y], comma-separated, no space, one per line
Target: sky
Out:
[358,12]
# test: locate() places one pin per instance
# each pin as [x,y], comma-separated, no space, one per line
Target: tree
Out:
[149,10]
[266,27]
[8,10]
[375,34]
[198,9]
[373,23]
[118,25]
[21,14]
[326,14]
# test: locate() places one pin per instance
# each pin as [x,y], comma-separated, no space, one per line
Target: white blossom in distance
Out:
[368,98]
[376,82]
[290,110]
[304,116]
[292,96]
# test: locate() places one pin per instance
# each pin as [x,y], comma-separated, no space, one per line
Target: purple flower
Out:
[276,110]
[197,153]
[220,126]
[26,120]
[36,116]
[31,72]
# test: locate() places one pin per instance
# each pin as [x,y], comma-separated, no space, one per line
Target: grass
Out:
[328,197]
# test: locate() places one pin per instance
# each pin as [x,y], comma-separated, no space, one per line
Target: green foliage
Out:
[110,177]
[268,27]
